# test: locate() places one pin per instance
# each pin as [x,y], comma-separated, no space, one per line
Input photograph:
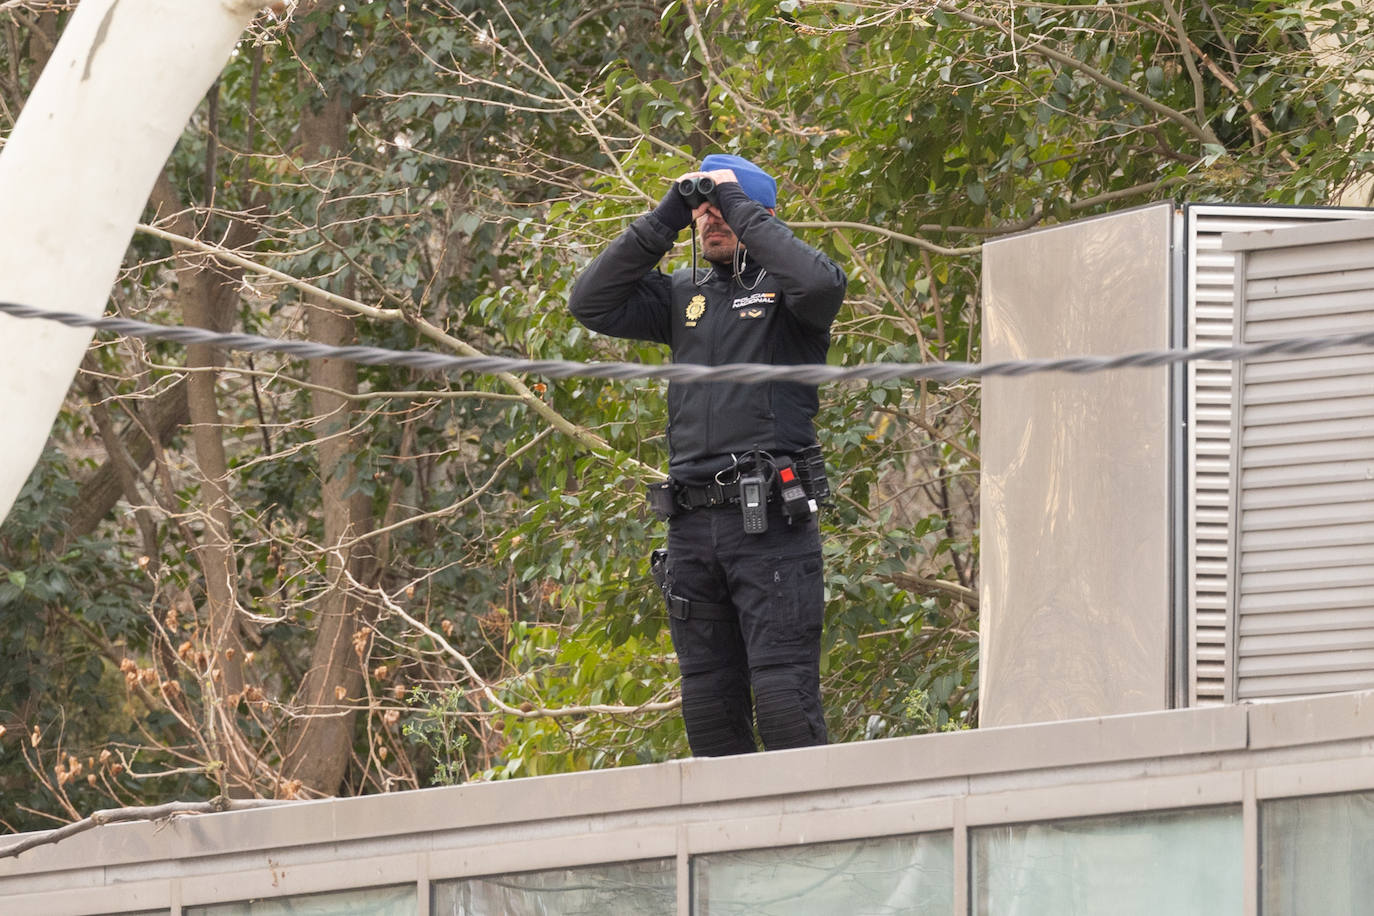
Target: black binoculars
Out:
[699,190]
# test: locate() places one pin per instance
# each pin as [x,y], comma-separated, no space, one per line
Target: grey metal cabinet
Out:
[1107,499]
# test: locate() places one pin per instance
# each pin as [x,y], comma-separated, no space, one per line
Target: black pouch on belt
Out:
[662,499]
[810,466]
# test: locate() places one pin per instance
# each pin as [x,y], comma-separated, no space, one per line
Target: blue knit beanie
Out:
[755,182]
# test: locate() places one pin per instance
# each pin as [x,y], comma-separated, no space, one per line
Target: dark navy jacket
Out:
[784,320]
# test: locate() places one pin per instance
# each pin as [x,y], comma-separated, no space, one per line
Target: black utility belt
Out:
[797,483]
[690,497]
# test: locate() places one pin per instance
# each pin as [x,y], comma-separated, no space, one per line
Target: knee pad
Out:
[787,704]
[715,709]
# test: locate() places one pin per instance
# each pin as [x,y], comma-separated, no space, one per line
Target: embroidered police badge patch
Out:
[695,309]
[751,313]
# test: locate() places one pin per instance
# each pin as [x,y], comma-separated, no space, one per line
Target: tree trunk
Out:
[209,298]
[215,549]
[318,748]
[75,174]
[319,744]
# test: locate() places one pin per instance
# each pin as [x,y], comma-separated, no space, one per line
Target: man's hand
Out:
[719,176]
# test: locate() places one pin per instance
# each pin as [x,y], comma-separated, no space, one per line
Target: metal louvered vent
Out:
[1210,294]
[1210,308]
[1303,556]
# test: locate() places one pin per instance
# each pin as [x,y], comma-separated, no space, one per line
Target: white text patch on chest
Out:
[755,299]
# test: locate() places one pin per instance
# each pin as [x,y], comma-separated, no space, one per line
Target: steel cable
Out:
[690,372]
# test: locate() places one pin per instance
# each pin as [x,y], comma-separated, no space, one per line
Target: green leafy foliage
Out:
[64,606]
[435,728]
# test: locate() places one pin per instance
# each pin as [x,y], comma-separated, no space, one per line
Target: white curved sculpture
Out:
[75,175]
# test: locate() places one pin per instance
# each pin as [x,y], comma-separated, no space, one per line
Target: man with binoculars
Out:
[742,575]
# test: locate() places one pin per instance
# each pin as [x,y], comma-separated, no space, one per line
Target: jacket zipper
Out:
[711,389]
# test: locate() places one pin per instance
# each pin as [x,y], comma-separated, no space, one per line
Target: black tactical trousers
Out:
[764,659]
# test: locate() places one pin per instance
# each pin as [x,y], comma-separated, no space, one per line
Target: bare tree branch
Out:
[887,233]
[922,585]
[125,815]
[534,712]
[1200,132]
[586,437]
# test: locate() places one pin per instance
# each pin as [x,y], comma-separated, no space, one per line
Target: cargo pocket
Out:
[796,599]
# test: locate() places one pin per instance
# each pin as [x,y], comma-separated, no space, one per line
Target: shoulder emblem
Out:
[695,309]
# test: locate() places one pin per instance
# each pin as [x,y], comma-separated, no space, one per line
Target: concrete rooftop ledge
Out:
[952,781]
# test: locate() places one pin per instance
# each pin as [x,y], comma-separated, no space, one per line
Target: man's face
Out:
[718,240]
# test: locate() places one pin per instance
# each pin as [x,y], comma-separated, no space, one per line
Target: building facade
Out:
[1239,809]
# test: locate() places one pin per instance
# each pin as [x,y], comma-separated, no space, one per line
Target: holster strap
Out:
[682,609]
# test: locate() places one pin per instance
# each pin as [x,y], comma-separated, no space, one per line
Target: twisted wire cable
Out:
[691,372]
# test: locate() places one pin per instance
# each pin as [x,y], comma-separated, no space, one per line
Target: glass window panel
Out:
[373,901]
[876,877]
[1181,863]
[647,888]
[1315,854]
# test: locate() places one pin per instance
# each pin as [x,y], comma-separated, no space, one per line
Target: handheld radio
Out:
[753,502]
